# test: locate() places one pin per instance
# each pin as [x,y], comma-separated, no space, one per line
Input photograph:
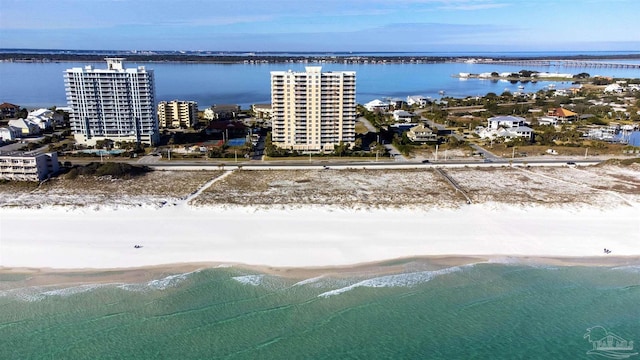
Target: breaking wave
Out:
[399,280]
[628,268]
[159,284]
[309,281]
[254,280]
[38,293]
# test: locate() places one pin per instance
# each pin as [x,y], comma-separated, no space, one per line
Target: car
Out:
[425,161]
[571,163]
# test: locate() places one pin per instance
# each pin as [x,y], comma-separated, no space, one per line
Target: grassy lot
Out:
[360,128]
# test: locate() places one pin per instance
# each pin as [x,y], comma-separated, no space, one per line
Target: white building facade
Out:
[116,103]
[28,167]
[508,127]
[313,111]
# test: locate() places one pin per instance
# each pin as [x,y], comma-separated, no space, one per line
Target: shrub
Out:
[72,174]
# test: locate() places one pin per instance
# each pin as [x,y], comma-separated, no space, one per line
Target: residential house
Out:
[604,133]
[45,118]
[377,106]
[26,126]
[417,100]
[401,115]
[505,121]
[8,110]
[224,111]
[613,88]
[396,104]
[508,127]
[421,133]
[548,120]
[562,115]
[262,111]
[10,133]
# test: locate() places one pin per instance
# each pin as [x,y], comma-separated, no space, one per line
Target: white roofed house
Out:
[613,88]
[505,121]
[522,132]
[548,120]
[9,133]
[401,115]
[27,127]
[377,106]
[417,100]
[262,111]
[508,127]
[45,118]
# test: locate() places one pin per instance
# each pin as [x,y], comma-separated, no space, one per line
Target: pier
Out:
[565,63]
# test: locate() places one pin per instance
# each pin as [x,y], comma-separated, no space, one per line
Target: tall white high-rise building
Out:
[312,110]
[115,103]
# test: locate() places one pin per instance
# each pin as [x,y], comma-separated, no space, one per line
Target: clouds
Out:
[340,25]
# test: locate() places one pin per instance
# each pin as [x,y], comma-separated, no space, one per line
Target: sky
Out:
[322,25]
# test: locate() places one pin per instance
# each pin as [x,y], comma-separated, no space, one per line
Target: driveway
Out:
[395,154]
[367,124]
[485,153]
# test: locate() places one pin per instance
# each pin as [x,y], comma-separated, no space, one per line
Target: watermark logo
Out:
[608,344]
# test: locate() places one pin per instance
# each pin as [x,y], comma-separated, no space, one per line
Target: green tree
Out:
[341,149]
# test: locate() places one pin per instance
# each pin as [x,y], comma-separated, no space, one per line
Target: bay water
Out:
[478,311]
[34,85]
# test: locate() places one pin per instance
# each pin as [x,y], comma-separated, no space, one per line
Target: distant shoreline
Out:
[34,57]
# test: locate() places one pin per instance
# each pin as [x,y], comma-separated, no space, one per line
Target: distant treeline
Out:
[234,59]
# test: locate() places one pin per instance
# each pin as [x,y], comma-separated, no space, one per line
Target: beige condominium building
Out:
[313,111]
[177,114]
[115,103]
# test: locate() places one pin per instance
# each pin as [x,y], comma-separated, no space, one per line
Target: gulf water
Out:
[42,85]
[481,311]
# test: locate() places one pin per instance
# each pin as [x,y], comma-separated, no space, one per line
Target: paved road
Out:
[367,124]
[345,166]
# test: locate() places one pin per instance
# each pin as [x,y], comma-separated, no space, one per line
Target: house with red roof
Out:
[562,114]
[9,110]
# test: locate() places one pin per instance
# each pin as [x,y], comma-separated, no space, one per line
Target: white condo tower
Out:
[117,104]
[312,110]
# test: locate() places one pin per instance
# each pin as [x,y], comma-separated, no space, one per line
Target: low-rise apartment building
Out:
[27,167]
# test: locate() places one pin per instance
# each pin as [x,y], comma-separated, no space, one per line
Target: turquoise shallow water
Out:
[483,311]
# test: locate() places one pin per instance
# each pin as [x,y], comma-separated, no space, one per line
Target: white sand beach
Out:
[320,218]
[306,236]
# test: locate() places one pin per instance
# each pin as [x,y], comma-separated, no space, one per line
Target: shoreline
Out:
[16,278]
[38,57]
